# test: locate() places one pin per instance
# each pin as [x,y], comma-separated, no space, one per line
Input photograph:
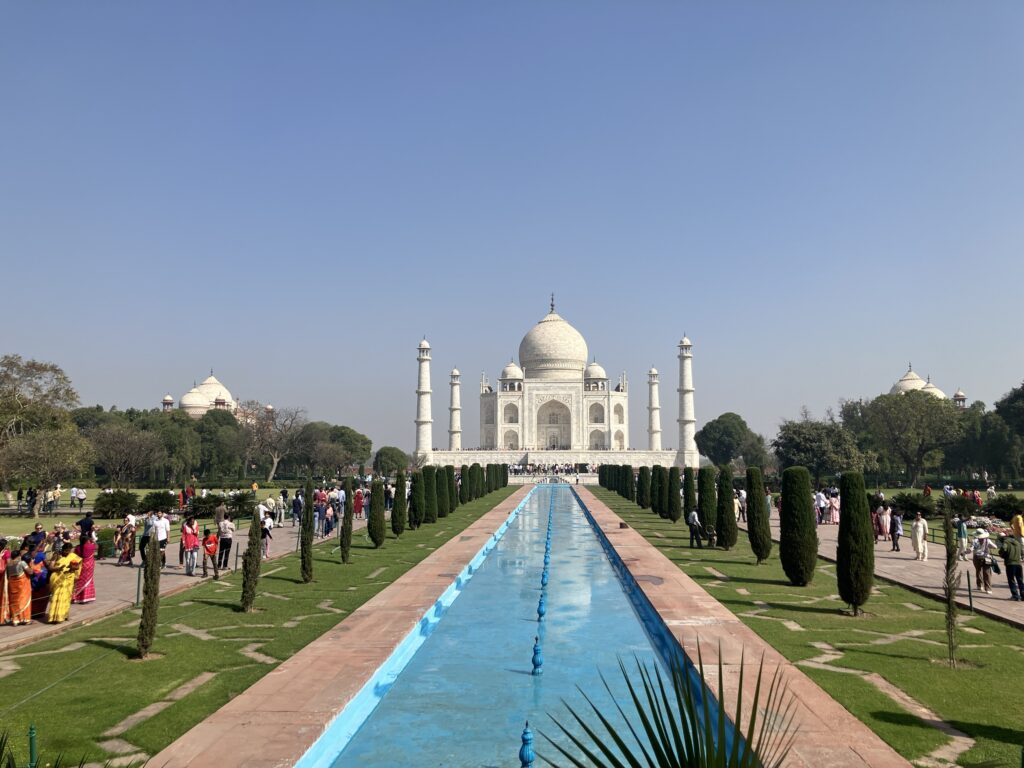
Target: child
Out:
[211,544]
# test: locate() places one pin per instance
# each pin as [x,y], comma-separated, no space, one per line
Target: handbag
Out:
[995,566]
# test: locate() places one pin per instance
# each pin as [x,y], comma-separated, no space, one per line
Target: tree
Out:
[306,533]
[125,453]
[441,479]
[418,497]
[798,535]
[429,494]
[453,495]
[251,562]
[706,495]
[823,447]
[721,439]
[912,426]
[950,583]
[759,530]
[689,490]
[398,510]
[45,456]
[346,522]
[643,488]
[656,479]
[33,395]
[726,524]
[674,502]
[464,484]
[1010,408]
[855,549]
[375,523]
[278,433]
[150,597]
[389,459]
[222,444]
[630,486]
[478,480]
[180,440]
[356,444]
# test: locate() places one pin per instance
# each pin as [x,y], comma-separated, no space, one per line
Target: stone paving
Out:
[116,587]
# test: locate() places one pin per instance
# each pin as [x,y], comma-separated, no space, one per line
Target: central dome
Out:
[553,349]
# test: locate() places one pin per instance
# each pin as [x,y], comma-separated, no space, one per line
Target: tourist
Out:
[190,544]
[743,504]
[1011,551]
[876,522]
[162,529]
[17,599]
[820,504]
[37,537]
[981,555]
[962,545]
[358,503]
[296,509]
[1017,524]
[63,570]
[328,520]
[85,526]
[85,582]
[21,498]
[895,529]
[40,581]
[886,521]
[266,536]
[210,544]
[80,497]
[919,537]
[693,520]
[5,556]
[225,533]
[833,509]
[124,541]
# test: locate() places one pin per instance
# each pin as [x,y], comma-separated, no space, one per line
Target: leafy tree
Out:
[986,443]
[180,440]
[222,444]
[150,597]
[441,479]
[913,426]
[726,524]
[357,445]
[33,395]
[346,522]
[759,530]
[274,433]
[430,494]
[643,488]
[689,490]
[453,494]
[706,497]
[306,533]
[1010,408]
[418,497]
[398,510]
[721,439]
[674,502]
[855,550]
[823,447]
[798,535]
[251,561]
[389,459]
[375,524]
[45,456]
[125,452]
[464,484]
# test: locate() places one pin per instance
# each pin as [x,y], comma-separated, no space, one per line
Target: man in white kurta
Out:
[919,537]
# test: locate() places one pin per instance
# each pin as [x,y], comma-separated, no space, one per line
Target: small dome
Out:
[194,397]
[909,382]
[959,394]
[424,344]
[685,342]
[931,389]
[653,371]
[511,371]
[168,398]
[553,349]
[455,372]
[594,371]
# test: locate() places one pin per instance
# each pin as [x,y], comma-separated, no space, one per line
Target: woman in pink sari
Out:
[833,508]
[85,583]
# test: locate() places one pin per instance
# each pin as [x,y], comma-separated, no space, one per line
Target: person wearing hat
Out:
[981,554]
[1010,550]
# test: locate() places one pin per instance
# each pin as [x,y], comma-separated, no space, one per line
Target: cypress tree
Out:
[419,500]
[306,533]
[150,597]
[441,478]
[399,509]
[759,529]
[798,535]
[630,484]
[453,494]
[855,548]
[504,475]
[429,495]
[706,497]
[643,488]
[656,489]
[689,491]
[675,503]
[464,484]
[251,564]
[726,524]
[375,523]
[475,485]
[346,522]
[663,492]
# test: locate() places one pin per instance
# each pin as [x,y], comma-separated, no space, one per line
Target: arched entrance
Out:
[620,441]
[554,426]
[597,440]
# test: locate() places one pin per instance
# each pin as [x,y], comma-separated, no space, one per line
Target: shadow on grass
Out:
[233,606]
[127,649]
[1008,736]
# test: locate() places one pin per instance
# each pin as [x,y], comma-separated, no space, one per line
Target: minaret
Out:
[424,433]
[688,454]
[653,412]
[455,413]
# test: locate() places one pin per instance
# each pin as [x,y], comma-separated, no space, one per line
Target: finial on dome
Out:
[910,367]
[552,302]
[211,370]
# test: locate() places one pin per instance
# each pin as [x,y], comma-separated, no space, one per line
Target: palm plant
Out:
[670,724]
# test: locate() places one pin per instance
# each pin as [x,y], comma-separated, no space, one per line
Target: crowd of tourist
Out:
[550,469]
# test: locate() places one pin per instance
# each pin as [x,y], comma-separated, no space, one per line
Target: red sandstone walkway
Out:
[116,587]
[927,576]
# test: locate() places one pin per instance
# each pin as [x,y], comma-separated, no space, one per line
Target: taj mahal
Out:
[554,407]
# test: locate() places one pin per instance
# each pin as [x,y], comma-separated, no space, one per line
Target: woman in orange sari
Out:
[5,605]
[63,569]
[19,587]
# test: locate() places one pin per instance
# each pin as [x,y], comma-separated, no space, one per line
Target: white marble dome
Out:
[909,382]
[594,371]
[553,349]
[194,403]
[511,371]
[932,390]
[213,390]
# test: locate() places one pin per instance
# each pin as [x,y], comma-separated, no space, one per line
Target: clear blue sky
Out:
[295,193]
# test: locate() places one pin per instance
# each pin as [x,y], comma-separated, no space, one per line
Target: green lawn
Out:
[73,696]
[982,700]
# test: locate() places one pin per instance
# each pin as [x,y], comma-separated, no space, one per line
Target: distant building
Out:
[911,382]
[208,396]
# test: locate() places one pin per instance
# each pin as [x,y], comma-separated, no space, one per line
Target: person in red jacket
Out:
[211,544]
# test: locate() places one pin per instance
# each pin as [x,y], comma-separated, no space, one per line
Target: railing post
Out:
[526,755]
[138,586]
[33,750]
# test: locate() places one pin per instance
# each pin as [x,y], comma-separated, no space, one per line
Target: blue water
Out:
[463,698]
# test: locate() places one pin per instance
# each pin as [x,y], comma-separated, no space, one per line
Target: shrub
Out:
[630,483]
[909,504]
[798,535]
[656,489]
[417,499]
[429,495]
[453,494]
[115,505]
[689,490]
[150,597]
[441,478]
[476,481]
[706,496]
[675,503]
[759,529]
[726,525]
[251,563]
[305,533]
[162,501]
[1004,506]
[643,488]
[855,549]
[398,510]
[346,522]
[464,484]
[375,522]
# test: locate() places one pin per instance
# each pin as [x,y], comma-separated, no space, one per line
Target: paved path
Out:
[927,576]
[116,586]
